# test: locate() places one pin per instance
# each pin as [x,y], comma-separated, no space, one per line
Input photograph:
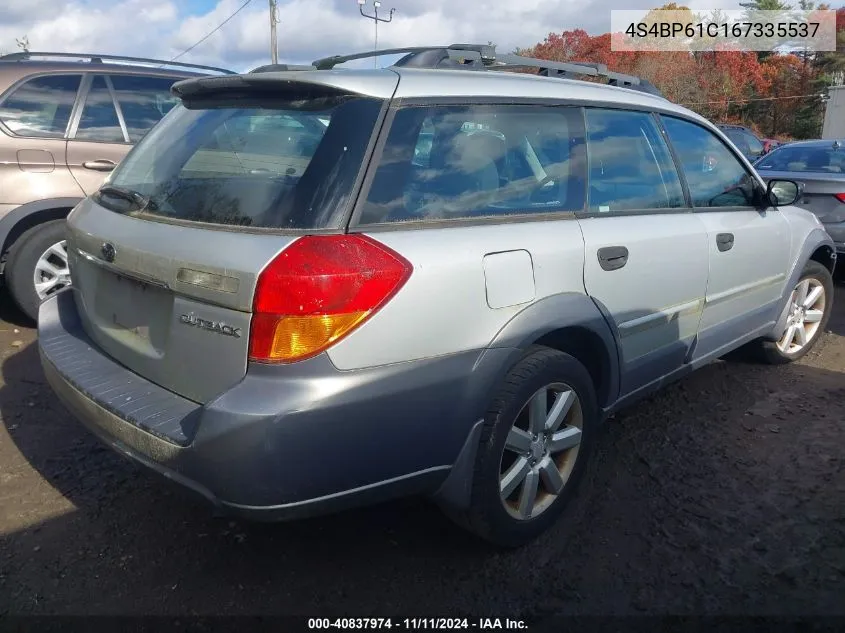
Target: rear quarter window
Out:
[476,161]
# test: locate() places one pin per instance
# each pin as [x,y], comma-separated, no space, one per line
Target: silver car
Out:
[819,168]
[443,291]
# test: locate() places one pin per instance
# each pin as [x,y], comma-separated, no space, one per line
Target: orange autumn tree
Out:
[729,80]
[776,94]
[784,76]
[669,71]
[718,84]
[563,47]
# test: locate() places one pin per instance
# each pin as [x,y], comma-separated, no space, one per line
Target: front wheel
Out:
[536,439]
[809,308]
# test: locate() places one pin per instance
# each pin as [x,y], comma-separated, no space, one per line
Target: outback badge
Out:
[212,326]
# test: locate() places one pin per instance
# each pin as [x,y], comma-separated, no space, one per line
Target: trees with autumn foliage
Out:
[777,94]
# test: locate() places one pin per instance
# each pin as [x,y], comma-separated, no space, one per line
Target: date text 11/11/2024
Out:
[417,624]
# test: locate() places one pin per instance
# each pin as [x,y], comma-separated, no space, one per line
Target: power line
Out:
[752,99]
[212,31]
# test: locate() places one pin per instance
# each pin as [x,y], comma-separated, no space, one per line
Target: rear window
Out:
[457,162]
[810,159]
[255,162]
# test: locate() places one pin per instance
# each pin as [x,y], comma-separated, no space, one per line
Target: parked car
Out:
[751,146]
[819,167]
[64,125]
[769,144]
[365,320]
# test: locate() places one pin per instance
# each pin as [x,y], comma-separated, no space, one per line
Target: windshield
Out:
[259,162]
[805,159]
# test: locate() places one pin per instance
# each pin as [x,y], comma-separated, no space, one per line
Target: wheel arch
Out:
[573,324]
[826,256]
[818,246]
[568,322]
[22,218]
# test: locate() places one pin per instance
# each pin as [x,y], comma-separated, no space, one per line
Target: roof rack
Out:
[272,68]
[98,59]
[484,57]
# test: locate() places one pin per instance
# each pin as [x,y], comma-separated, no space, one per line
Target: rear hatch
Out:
[165,257]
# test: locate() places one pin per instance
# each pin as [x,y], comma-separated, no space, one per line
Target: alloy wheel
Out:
[51,271]
[540,451]
[806,311]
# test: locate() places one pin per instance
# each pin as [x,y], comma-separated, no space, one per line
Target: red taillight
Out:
[839,196]
[317,291]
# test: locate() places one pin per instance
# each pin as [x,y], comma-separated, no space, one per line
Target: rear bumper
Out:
[285,442]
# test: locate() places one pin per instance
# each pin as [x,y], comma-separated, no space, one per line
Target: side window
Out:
[451,162]
[99,120]
[143,101]
[739,139]
[41,107]
[422,151]
[714,175]
[631,167]
[754,145]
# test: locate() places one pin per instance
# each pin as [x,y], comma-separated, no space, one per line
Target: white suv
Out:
[306,290]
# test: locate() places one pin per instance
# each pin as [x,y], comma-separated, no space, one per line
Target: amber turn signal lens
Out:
[299,337]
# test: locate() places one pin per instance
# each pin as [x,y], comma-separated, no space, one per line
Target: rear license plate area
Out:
[133,308]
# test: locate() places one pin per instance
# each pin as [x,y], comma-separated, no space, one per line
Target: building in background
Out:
[834,115]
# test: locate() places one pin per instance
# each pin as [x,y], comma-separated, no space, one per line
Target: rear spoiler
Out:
[314,85]
[210,87]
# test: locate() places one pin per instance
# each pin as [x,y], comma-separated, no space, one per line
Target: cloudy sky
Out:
[308,29]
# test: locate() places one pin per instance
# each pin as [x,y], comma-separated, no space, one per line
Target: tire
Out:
[21,263]
[498,520]
[815,275]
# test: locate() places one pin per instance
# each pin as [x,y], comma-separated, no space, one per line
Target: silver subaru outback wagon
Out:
[307,290]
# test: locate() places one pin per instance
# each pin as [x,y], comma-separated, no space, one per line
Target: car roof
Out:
[17,69]
[820,143]
[418,83]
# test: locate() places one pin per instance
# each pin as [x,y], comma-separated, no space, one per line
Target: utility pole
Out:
[274,44]
[376,19]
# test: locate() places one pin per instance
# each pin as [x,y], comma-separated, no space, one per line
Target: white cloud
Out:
[308,28]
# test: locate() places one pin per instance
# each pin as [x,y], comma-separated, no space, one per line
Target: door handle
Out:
[99,165]
[724,241]
[613,257]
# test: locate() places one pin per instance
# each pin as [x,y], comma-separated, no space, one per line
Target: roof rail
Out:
[98,59]
[484,57]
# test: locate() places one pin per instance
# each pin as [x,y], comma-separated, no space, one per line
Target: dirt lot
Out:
[723,495]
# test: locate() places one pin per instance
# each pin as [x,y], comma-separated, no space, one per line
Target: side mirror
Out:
[782,193]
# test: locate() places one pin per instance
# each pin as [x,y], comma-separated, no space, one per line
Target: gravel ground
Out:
[725,494]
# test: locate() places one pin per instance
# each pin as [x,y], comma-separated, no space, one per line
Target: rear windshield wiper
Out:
[135,197]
